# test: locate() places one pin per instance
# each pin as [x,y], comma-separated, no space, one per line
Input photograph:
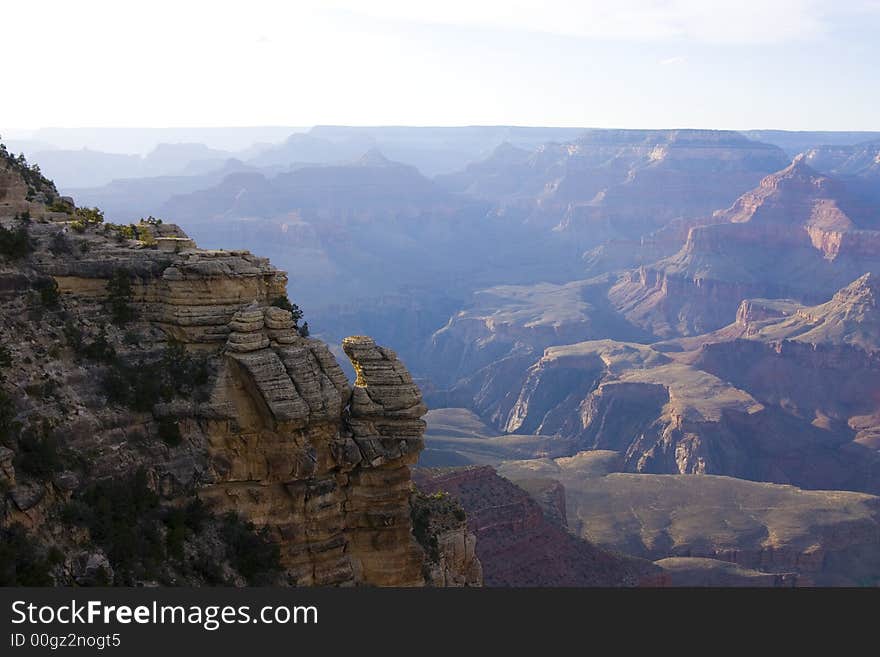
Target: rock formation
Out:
[271,430]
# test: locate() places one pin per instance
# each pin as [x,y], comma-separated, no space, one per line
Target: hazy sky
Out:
[792,64]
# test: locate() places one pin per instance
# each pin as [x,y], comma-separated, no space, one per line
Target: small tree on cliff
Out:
[119,297]
[284,303]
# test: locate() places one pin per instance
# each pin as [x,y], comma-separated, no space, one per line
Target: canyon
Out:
[650,356]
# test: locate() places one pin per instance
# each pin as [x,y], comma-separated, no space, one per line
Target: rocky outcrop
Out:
[439,524]
[517,321]
[807,377]
[270,429]
[320,463]
[510,319]
[862,160]
[337,495]
[851,317]
[13,192]
[192,294]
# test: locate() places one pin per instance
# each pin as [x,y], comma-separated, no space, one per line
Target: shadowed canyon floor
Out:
[701,529]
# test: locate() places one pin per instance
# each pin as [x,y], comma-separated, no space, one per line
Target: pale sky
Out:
[789,64]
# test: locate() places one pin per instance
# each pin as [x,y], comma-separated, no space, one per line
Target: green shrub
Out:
[122,517]
[9,426]
[145,235]
[22,559]
[47,288]
[36,182]
[431,514]
[175,534]
[99,349]
[59,244]
[142,385]
[183,523]
[143,539]
[38,454]
[122,231]
[183,369]
[61,206]
[15,243]
[119,296]
[5,359]
[89,216]
[250,552]
[73,335]
[169,432]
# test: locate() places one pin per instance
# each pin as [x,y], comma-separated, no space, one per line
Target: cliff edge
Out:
[151,383]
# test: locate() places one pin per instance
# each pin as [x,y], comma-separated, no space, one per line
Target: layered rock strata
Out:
[795,221]
[275,433]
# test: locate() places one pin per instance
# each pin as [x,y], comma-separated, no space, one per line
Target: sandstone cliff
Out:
[132,356]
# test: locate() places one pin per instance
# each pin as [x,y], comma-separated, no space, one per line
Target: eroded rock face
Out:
[191,294]
[272,430]
[785,411]
[439,524]
[13,191]
[322,464]
[602,182]
[795,221]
